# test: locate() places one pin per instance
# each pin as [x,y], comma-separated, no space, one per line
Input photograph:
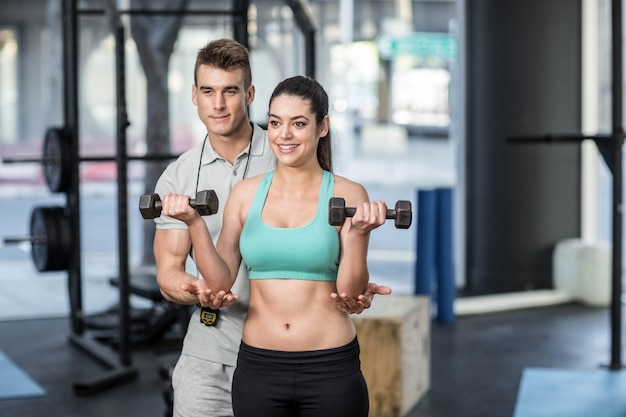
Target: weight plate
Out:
[57,167]
[51,238]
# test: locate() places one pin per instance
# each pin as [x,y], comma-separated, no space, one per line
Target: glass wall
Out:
[8,85]
[381,61]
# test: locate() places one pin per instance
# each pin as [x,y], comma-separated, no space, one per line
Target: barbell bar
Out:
[56,160]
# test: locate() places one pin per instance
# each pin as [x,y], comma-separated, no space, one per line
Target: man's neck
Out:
[229,147]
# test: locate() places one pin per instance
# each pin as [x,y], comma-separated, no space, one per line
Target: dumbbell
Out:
[206,203]
[337,213]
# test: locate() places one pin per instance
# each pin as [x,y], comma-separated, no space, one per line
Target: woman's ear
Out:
[325,127]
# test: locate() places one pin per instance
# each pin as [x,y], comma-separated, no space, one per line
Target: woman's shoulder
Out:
[248,184]
[352,191]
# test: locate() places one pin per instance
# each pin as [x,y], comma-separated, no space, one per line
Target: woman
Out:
[299,354]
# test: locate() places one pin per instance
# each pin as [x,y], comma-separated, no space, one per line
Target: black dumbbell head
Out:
[404,214]
[206,202]
[150,206]
[336,211]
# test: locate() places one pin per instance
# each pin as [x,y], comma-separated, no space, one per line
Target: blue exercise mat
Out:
[571,393]
[14,383]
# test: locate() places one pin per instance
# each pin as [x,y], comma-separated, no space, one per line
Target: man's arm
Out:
[353,305]
[171,248]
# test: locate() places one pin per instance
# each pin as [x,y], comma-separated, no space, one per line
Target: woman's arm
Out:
[171,249]
[353,275]
[219,270]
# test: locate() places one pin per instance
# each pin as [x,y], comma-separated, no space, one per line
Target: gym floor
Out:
[476,363]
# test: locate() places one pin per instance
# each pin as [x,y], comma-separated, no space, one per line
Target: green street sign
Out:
[420,44]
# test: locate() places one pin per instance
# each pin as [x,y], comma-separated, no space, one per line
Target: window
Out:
[8,85]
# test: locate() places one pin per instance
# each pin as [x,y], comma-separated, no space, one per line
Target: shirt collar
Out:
[259,139]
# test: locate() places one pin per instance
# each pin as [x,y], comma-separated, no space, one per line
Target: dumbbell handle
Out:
[158,205]
[350,211]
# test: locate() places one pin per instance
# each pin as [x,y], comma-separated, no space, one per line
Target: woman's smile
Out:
[287,148]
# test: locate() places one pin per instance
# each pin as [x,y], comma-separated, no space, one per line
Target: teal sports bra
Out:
[309,252]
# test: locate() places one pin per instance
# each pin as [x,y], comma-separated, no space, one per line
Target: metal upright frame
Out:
[610,147]
[120,366]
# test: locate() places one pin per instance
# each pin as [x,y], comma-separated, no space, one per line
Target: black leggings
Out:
[320,383]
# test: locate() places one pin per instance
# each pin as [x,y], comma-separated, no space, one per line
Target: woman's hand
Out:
[177,206]
[207,298]
[368,216]
[352,305]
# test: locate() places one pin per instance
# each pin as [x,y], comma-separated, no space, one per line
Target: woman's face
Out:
[292,131]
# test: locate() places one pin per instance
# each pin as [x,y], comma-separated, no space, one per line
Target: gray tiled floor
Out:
[476,366]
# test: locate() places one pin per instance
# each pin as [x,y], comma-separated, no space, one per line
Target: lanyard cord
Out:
[200,162]
[245,170]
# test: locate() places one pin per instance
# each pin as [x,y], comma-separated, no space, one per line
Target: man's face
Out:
[222,100]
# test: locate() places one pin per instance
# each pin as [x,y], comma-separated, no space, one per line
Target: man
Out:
[233,149]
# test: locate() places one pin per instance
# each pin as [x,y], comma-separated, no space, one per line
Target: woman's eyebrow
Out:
[300,116]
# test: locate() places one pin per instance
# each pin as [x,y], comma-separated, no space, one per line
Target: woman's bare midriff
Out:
[288,315]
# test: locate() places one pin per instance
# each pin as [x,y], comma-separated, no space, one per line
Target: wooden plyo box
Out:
[394,336]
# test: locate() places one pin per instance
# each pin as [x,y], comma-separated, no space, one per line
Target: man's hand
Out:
[206,297]
[353,305]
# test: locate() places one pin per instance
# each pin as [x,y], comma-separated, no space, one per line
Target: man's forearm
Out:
[171,283]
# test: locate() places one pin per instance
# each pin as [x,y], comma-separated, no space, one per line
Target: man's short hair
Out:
[226,54]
